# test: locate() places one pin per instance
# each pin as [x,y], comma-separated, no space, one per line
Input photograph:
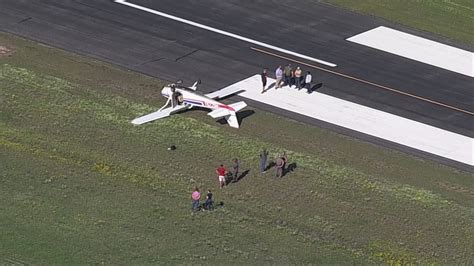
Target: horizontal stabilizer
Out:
[238,106]
[219,113]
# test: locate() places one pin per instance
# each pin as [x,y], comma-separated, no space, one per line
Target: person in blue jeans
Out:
[196,196]
[209,204]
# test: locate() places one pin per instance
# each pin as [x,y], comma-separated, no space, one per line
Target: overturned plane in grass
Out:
[183,98]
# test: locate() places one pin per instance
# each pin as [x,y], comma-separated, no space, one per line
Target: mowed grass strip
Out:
[80,184]
[450,18]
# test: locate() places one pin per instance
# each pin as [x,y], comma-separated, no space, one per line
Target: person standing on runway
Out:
[298,78]
[279,77]
[307,81]
[264,79]
[287,73]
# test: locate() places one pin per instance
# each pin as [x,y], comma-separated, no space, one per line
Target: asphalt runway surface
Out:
[172,50]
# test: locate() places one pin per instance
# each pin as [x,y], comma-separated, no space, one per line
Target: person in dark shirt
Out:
[287,75]
[284,157]
[264,79]
[235,170]
[263,161]
[209,204]
[174,96]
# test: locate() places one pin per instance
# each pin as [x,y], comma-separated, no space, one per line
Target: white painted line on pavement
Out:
[417,48]
[362,119]
[232,35]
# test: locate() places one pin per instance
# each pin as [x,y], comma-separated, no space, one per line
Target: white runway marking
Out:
[417,48]
[232,35]
[363,119]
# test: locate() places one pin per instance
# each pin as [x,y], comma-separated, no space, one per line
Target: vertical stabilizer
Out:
[232,120]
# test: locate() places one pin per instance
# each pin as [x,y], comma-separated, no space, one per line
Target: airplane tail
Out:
[229,115]
[232,119]
[194,86]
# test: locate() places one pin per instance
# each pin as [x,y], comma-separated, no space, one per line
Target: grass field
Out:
[80,184]
[450,18]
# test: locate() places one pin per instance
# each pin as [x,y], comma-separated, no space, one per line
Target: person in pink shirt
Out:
[196,196]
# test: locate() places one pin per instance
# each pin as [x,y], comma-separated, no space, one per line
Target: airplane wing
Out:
[224,92]
[157,115]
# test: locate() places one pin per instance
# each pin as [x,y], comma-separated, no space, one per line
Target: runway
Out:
[171,50]
[359,118]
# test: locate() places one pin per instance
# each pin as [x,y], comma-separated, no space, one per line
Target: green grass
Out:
[80,184]
[450,18]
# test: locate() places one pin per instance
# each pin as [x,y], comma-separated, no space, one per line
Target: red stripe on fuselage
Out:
[226,107]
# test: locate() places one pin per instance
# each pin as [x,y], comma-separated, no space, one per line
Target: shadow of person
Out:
[271,86]
[315,87]
[242,175]
[270,165]
[290,168]
[229,177]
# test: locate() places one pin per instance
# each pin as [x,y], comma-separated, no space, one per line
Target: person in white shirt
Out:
[307,81]
[279,77]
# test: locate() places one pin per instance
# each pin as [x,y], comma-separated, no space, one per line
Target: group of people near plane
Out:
[288,76]
[224,177]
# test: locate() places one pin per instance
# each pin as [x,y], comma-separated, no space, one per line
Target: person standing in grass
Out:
[264,79]
[209,204]
[263,161]
[196,196]
[235,170]
[280,164]
[221,172]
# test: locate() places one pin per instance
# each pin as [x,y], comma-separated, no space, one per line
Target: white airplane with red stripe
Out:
[183,98]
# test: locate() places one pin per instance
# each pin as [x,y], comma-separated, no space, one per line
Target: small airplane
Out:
[184,98]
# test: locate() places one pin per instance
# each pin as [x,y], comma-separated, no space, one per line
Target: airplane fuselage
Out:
[191,99]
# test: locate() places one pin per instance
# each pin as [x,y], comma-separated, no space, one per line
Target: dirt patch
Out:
[5,51]
[456,188]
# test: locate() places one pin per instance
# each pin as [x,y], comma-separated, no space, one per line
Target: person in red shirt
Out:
[221,172]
